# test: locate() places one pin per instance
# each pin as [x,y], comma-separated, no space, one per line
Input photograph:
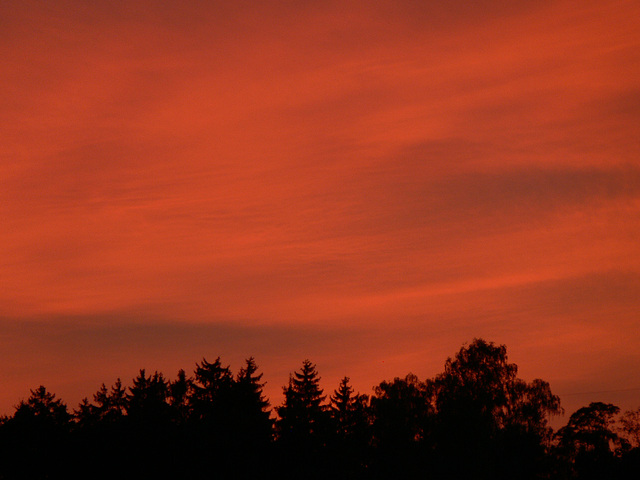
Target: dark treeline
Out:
[475,420]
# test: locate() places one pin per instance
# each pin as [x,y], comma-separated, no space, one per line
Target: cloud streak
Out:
[389,180]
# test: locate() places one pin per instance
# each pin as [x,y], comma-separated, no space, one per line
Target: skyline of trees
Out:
[475,419]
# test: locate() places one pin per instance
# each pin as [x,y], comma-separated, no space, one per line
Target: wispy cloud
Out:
[400,176]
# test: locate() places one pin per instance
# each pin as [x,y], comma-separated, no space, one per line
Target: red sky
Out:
[366,184]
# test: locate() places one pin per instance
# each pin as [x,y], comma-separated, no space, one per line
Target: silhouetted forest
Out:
[475,420]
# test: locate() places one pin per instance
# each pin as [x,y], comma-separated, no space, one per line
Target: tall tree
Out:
[179,391]
[352,430]
[44,406]
[401,409]
[248,442]
[101,430]
[490,423]
[251,405]
[630,426]
[109,406]
[302,415]
[211,390]
[34,442]
[346,409]
[117,400]
[302,426]
[402,417]
[147,401]
[590,442]
[630,429]
[149,437]
[212,417]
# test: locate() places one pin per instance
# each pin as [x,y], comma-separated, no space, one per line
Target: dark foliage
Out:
[477,420]
[351,432]
[589,444]
[32,441]
[303,425]
[490,423]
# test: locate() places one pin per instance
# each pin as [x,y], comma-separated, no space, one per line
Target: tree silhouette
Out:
[402,413]
[351,428]
[212,419]
[401,409]
[302,413]
[630,426]
[211,391]
[303,424]
[117,401]
[147,400]
[252,408]
[109,406]
[251,424]
[179,392]
[489,422]
[34,441]
[149,433]
[349,410]
[44,407]
[476,419]
[341,402]
[590,442]
[101,432]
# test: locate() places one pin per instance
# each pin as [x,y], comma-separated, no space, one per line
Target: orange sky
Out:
[367,184]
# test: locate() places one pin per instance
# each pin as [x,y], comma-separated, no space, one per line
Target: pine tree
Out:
[117,400]
[349,410]
[341,407]
[108,407]
[212,393]
[302,415]
[307,386]
[43,406]
[147,398]
[35,440]
[303,427]
[179,392]
[351,429]
[248,384]
[250,425]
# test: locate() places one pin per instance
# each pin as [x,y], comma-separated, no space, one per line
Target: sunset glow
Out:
[366,184]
